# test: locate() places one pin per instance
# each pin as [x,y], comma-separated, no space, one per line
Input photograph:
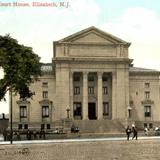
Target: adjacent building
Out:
[92,83]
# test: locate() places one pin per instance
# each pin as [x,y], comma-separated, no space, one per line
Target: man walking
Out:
[135,134]
[128,132]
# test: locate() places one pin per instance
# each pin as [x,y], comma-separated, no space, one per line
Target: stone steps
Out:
[99,126]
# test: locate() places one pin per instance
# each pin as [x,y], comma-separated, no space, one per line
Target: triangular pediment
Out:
[93,35]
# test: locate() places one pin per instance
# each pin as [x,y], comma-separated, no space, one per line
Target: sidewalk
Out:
[85,137]
[116,148]
[80,140]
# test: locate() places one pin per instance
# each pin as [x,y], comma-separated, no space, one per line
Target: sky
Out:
[135,21]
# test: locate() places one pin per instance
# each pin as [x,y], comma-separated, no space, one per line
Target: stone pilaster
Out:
[100,96]
[71,94]
[85,96]
[114,96]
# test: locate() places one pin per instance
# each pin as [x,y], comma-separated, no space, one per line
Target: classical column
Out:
[71,94]
[85,96]
[100,96]
[114,95]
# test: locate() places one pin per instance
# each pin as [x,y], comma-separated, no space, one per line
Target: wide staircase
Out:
[92,126]
[99,126]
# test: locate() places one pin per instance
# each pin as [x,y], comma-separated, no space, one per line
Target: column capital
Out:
[85,74]
[100,74]
[71,72]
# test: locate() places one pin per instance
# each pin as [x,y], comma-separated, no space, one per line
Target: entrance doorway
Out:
[92,111]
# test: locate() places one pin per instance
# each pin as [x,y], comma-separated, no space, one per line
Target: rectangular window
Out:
[45,84]
[104,79]
[147,85]
[90,90]
[76,90]
[147,95]
[45,94]
[48,126]
[129,113]
[145,125]
[77,109]
[150,125]
[25,126]
[147,111]
[45,111]
[76,78]
[106,108]
[19,126]
[23,111]
[42,126]
[91,78]
[105,90]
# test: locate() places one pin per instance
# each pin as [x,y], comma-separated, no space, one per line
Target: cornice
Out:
[147,101]
[92,59]
[140,73]
[45,101]
[23,102]
[92,44]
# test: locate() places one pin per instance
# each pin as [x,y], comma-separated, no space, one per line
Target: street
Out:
[83,149]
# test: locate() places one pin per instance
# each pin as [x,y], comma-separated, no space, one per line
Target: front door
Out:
[91,111]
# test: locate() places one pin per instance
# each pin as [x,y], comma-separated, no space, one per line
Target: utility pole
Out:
[11,129]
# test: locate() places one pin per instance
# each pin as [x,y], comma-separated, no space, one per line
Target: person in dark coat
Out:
[5,134]
[128,132]
[135,133]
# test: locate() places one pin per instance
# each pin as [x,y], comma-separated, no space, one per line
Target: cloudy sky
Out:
[135,21]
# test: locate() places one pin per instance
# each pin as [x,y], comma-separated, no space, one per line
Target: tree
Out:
[21,67]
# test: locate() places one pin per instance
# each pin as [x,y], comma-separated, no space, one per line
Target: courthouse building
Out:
[93,84]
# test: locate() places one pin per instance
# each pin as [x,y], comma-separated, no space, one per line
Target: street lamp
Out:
[68,110]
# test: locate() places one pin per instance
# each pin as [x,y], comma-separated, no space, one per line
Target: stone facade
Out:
[90,78]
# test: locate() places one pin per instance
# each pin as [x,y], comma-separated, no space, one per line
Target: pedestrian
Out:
[28,134]
[146,131]
[18,136]
[5,134]
[128,132]
[135,133]
[35,134]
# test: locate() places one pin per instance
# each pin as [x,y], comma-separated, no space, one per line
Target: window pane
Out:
[104,79]
[77,109]
[77,78]
[48,126]
[45,111]
[105,108]
[105,90]
[42,126]
[76,90]
[147,95]
[150,125]
[147,111]
[145,125]
[26,126]
[45,94]
[20,126]
[91,78]
[45,84]
[23,111]
[90,90]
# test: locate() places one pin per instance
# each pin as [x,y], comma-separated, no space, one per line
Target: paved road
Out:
[84,149]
